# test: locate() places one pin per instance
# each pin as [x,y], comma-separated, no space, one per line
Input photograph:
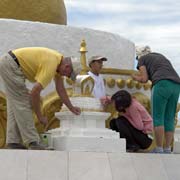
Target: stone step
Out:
[61,165]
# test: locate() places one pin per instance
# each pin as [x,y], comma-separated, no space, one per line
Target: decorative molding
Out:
[87,86]
[120,83]
[110,82]
[130,83]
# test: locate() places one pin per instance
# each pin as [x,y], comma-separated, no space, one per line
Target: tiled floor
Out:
[59,165]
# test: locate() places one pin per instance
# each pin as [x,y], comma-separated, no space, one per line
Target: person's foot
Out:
[15,146]
[132,148]
[167,150]
[158,150]
[36,146]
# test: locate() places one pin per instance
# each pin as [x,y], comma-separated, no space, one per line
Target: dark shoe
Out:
[132,148]
[15,146]
[36,146]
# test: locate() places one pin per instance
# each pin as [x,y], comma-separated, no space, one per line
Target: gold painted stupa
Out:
[50,11]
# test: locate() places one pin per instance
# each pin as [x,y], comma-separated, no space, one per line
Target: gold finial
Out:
[83,57]
[83,46]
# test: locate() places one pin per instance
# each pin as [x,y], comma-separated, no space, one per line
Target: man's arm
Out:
[62,93]
[142,76]
[35,97]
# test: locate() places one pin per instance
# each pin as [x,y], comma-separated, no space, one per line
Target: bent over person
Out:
[134,123]
[39,65]
[165,93]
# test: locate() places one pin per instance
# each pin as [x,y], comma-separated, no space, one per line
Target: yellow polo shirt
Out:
[38,64]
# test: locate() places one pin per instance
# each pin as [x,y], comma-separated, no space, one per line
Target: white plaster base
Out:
[59,165]
[89,144]
[85,132]
[176,148]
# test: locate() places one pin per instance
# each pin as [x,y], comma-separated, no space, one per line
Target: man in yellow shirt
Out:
[38,65]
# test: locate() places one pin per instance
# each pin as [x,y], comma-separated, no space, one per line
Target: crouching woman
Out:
[134,122]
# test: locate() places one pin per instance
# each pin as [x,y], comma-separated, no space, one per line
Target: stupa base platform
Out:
[88,144]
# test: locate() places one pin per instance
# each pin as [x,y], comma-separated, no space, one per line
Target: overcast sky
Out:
[155,23]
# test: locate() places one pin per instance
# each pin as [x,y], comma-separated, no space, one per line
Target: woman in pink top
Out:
[134,123]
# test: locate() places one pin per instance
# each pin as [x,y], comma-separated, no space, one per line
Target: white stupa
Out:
[85,132]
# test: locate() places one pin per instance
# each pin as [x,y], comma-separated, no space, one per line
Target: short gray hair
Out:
[142,51]
[76,67]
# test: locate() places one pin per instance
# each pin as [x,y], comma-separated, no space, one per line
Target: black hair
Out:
[122,100]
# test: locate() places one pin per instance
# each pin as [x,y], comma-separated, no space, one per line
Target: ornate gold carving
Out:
[138,85]
[176,117]
[143,99]
[130,83]
[51,104]
[85,86]
[147,85]
[114,114]
[117,71]
[110,82]
[3,119]
[120,83]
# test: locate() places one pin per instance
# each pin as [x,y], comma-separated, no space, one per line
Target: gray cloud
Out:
[155,23]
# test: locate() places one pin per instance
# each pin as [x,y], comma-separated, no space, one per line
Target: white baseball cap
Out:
[96,58]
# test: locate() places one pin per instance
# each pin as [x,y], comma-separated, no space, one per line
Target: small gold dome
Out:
[50,11]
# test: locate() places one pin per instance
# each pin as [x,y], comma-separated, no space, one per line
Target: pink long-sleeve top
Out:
[138,116]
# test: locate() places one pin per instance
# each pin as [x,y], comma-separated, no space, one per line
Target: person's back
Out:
[138,116]
[158,68]
[38,63]
[134,122]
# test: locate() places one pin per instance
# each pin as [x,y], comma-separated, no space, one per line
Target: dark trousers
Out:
[132,135]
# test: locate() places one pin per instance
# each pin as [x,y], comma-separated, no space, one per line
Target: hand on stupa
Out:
[75,110]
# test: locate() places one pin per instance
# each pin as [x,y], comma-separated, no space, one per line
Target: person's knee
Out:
[169,127]
[112,124]
[158,122]
[147,144]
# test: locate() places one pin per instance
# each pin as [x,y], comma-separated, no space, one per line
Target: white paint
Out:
[36,165]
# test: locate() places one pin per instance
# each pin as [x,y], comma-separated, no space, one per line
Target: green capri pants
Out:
[164,99]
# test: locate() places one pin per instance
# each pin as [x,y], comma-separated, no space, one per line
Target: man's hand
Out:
[64,97]
[43,120]
[75,110]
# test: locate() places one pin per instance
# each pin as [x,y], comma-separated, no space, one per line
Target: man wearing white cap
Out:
[39,65]
[96,64]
